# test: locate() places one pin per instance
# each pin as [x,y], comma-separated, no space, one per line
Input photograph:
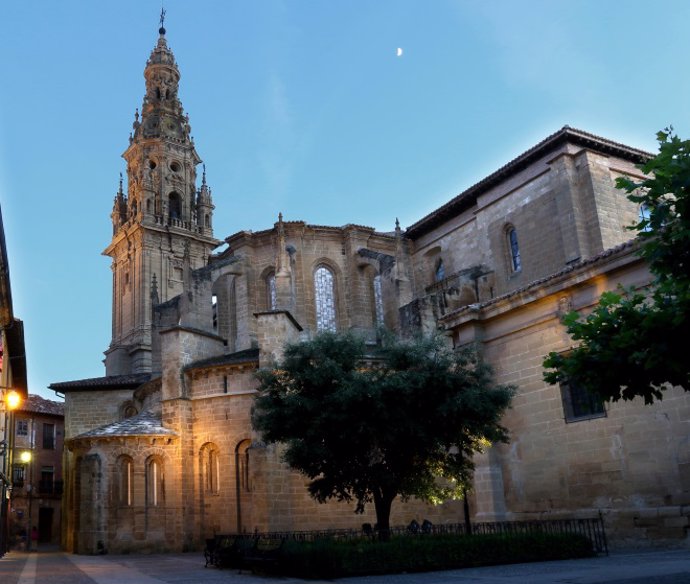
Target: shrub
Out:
[336,559]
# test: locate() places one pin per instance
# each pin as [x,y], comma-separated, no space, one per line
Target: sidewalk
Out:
[53,567]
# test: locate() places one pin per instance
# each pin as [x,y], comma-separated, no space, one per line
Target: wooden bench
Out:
[265,552]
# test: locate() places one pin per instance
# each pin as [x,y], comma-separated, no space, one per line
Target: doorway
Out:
[45,525]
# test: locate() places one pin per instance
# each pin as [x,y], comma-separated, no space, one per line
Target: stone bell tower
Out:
[161,222]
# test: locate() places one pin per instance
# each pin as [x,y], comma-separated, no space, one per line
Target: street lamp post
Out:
[26,459]
[11,402]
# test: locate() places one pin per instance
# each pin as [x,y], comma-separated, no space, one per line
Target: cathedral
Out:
[160,453]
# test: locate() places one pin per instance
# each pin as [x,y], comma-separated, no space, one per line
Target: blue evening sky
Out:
[302,107]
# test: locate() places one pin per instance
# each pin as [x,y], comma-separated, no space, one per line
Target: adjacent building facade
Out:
[13,386]
[160,451]
[37,471]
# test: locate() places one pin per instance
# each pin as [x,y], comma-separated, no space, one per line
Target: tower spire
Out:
[161,30]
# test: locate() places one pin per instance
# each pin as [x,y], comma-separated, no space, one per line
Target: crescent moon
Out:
[399,52]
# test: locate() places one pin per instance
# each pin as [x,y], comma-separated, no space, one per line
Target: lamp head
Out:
[13,400]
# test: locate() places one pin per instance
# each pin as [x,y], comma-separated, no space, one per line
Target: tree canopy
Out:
[367,428]
[634,342]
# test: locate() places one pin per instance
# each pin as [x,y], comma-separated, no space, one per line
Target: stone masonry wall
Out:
[632,465]
[564,207]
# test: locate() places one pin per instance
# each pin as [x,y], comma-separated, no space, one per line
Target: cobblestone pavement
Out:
[53,567]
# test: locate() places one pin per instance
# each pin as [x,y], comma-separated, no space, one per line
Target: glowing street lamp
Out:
[13,400]
[26,457]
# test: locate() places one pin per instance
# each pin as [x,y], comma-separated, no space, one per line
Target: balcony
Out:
[50,487]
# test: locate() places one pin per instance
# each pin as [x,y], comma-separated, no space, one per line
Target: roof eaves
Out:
[468,198]
[144,424]
[108,382]
[239,358]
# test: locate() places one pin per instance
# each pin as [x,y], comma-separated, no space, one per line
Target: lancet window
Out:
[324,294]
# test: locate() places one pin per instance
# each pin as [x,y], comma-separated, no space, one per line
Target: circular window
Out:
[152,164]
[175,166]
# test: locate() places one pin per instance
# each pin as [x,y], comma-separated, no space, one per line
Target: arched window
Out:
[155,490]
[271,297]
[214,311]
[211,470]
[207,221]
[226,309]
[242,465]
[124,481]
[324,295]
[378,300]
[514,249]
[440,272]
[175,206]
[644,214]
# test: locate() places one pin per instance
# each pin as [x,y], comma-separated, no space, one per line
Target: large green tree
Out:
[634,343]
[404,422]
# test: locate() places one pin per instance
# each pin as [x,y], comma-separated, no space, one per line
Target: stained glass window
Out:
[644,214]
[515,261]
[378,300]
[440,271]
[324,294]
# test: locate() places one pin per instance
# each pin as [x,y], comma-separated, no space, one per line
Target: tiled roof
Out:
[144,424]
[37,405]
[565,135]
[108,382]
[246,356]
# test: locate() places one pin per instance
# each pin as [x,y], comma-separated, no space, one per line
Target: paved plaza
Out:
[54,567]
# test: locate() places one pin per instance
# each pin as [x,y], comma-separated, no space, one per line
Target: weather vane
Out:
[162,18]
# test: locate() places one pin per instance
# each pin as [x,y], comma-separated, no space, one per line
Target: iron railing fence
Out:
[591,528]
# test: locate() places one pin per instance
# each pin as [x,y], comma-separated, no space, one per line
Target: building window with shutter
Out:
[49,436]
[46,486]
[22,427]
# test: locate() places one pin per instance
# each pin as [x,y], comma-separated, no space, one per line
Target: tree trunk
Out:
[466,508]
[382,503]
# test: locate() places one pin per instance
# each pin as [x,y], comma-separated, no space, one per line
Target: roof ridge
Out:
[552,141]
